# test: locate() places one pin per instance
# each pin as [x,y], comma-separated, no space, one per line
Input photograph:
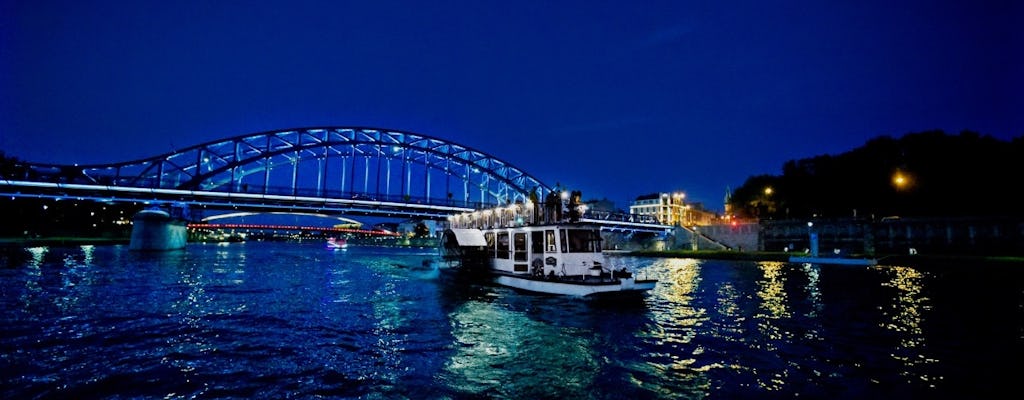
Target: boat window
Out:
[584,241]
[489,237]
[519,239]
[565,246]
[503,246]
[537,242]
[549,240]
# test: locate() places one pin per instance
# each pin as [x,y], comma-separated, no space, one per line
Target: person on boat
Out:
[552,207]
[574,205]
[535,201]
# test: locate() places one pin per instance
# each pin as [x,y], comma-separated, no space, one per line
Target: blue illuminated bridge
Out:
[327,170]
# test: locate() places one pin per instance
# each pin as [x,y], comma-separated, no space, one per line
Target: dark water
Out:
[269,320]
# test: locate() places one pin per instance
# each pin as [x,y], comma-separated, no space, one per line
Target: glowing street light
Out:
[900,180]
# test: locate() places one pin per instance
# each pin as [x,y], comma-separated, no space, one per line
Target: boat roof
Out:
[469,237]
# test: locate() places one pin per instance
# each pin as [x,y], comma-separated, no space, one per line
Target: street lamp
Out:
[812,239]
[900,180]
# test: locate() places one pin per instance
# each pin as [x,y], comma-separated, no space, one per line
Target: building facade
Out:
[670,209]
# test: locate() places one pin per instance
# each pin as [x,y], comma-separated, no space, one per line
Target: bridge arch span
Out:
[331,162]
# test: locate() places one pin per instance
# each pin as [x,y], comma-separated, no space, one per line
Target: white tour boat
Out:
[521,247]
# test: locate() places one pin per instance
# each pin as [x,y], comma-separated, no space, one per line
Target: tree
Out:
[943,175]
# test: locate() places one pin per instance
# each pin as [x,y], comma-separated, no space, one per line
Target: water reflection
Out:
[75,278]
[190,310]
[34,274]
[772,292]
[679,317]
[677,285]
[813,273]
[503,353]
[771,319]
[388,320]
[905,316]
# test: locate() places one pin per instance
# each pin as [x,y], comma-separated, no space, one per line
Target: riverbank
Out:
[917,260]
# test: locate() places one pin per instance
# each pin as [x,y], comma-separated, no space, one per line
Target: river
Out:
[287,320]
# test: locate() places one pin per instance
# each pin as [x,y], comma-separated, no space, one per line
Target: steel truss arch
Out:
[334,162]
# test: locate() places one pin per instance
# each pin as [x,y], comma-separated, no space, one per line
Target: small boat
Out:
[336,243]
[553,256]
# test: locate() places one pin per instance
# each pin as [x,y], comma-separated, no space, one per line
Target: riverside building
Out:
[670,209]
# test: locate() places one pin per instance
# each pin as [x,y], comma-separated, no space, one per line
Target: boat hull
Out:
[575,288]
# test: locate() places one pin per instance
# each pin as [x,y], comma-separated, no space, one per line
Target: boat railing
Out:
[530,213]
[515,214]
[620,217]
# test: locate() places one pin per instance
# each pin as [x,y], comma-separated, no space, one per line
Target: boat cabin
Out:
[547,250]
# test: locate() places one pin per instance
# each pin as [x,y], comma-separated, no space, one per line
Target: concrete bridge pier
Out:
[156,230]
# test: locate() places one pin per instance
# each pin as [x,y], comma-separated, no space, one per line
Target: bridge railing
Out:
[98,189]
[620,217]
[73,175]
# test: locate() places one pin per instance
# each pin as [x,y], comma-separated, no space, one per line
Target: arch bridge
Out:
[343,170]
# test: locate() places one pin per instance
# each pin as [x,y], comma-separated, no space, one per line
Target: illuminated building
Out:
[670,209]
[667,208]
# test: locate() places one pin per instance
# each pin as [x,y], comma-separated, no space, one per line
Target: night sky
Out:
[616,99]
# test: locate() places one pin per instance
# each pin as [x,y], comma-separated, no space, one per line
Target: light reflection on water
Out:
[908,310]
[504,353]
[278,320]
[677,322]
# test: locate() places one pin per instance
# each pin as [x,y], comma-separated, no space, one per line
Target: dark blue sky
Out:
[616,99]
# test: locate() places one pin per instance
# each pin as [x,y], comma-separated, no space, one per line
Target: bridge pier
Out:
[156,230]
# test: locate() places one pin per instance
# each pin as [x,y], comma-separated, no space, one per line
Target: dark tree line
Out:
[10,167]
[920,174]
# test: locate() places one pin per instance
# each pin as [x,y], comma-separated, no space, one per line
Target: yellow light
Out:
[900,180]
